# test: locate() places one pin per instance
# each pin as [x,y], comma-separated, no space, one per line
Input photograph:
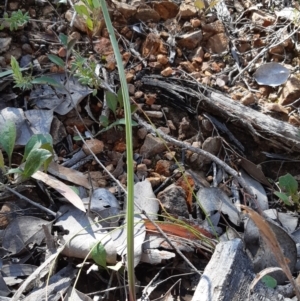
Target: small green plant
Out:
[90,11]
[16,21]
[116,104]
[22,82]
[289,190]
[38,151]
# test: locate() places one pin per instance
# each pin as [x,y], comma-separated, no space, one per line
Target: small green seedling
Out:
[289,190]
[22,82]
[38,151]
[16,21]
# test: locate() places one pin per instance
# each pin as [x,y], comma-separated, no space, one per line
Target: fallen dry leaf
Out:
[62,188]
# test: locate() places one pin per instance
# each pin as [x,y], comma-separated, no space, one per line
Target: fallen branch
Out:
[199,151]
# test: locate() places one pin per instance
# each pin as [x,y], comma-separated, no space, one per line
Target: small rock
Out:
[207,125]
[27,48]
[32,12]
[173,200]
[62,52]
[13,51]
[167,72]
[290,91]
[47,10]
[162,167]
[25,60]
[4,44]
[142,132]
[75,35]
[152,146]
[195,23]
[165,130]
[190,40]
[171,125]
[129,77]
[150,98]
[166,9]
[187,66]
[248,99]
[220,82]
[138,94]
[2,62]
[125,9]
[156,180]
[154,114]
[141,171]
[79,22]
[148,162]
[120,146]
[95,145]
[153,45]
[214,27]
[145,14]
[162,59]
[13,5]
[211,145]
[131,89]
[170,155]
[156,107]
[218,43]
[262,19]
[187,10]
[43,59]
[243,46]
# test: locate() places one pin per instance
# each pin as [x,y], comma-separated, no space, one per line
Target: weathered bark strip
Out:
[182,93]
[228,277]
[279,134]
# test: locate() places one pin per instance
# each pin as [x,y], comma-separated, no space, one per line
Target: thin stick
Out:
[22,197]
[199,151]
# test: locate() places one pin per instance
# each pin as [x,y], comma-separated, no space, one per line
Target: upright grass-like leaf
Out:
[129,152]
[8,136]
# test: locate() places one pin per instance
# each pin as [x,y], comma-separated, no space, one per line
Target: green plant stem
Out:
[129,154]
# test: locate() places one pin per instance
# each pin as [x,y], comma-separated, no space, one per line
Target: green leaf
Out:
[8,136]
[1,160]
[56,60]
[63,38]
[15,68]
[269,281]
[96,4]
[35,160]
[283,197]
[200,4]
[75,189]
[81,10]
[35,142]
[118,122]
[99,254]
[48,147]
[289,184]
[112,101]
[9,72]
[47,80]
[89,24]
[104,121]
[71,45]
[120,98]
[15,170]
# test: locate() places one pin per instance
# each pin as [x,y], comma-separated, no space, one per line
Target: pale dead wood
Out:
[279,134]
[228,277]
